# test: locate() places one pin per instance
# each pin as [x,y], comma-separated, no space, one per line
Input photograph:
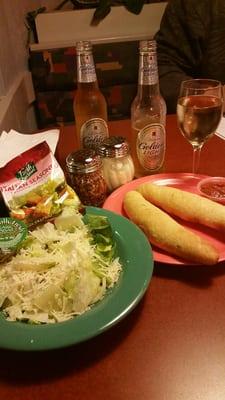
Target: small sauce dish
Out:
[213,188]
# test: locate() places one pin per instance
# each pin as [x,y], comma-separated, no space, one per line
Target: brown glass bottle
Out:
[90,108]
[148,113]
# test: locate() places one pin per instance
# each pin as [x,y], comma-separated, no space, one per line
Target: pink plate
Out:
[182,181]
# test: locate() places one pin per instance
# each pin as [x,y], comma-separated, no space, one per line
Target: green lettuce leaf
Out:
[101,235]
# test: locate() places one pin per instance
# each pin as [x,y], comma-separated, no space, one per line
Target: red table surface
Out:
[171,347]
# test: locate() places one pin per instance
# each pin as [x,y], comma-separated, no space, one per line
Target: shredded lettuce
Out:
[61,269]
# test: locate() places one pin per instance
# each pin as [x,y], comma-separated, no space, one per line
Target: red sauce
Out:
[214,189]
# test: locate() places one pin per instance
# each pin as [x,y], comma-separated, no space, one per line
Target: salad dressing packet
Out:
[33,186]
[12,234]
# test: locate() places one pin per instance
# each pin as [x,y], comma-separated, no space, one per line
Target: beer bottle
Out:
[148,115]
[90,108]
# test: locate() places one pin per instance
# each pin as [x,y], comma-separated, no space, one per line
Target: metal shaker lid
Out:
[114,146]
[83,161]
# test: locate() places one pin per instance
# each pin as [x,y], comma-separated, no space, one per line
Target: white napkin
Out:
[221,129]
[13,143]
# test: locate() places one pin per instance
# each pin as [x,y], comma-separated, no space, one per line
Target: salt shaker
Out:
[118,167]
[86,177]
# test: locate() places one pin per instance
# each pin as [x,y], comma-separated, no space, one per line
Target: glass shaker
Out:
[86,178]
[118,167]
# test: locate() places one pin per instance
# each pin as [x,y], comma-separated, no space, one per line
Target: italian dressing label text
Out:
[33,186]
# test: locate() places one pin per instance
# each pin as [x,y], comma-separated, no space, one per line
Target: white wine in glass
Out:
[199,110]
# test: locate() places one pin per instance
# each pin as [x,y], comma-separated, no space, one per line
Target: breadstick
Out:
[187,206]
[164,232]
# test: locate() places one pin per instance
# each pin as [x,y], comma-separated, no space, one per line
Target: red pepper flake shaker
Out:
[85,172]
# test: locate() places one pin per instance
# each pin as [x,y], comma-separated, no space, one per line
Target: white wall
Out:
[16,93]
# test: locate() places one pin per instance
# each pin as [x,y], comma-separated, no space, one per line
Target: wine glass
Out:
[199,110]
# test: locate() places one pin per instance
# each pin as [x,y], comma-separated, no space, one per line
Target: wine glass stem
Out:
[196,159]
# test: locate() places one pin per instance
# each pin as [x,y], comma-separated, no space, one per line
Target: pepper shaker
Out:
[86,177]
[118,167]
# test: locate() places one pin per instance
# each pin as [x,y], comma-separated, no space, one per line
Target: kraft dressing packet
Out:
[33,186]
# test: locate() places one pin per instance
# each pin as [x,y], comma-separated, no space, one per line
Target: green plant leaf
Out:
[134,6]
[101,11]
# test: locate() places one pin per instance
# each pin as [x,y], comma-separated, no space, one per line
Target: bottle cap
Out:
[114,146]
[147,45]
[83,46]
[83,161]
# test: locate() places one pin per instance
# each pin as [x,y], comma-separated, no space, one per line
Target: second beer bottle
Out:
[90,108]
[148,114]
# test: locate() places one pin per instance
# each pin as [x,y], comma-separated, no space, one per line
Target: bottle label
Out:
[148,71]
[150,147]
[93,132]
[86,69]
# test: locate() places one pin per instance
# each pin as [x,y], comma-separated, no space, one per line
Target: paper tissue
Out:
[13,143]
